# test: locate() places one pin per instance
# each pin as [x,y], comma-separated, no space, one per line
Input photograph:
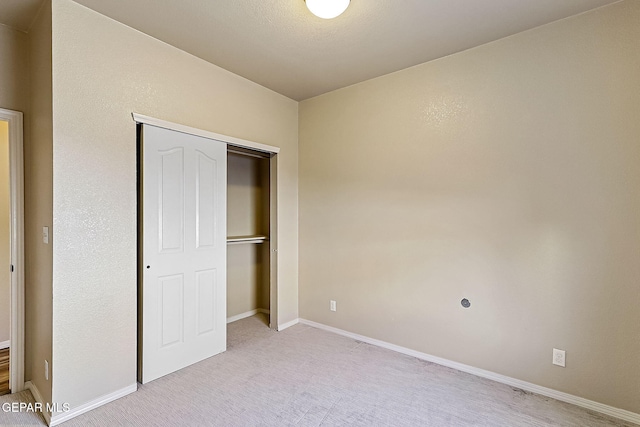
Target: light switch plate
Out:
[45,235]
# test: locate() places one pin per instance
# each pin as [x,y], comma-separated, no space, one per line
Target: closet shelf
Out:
[238,240]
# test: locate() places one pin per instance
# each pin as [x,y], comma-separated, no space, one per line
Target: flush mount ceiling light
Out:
[327,9]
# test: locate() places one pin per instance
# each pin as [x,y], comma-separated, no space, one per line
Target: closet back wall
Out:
[247,215]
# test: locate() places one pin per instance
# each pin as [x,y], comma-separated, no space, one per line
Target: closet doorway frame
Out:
[272,152]
[16,195]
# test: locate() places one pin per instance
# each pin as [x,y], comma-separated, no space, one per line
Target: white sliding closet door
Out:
[184,186]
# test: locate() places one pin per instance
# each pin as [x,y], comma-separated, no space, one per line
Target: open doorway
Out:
[11,253]
[5,259]
[248,235]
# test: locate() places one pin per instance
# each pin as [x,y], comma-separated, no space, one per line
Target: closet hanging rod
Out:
[236,240]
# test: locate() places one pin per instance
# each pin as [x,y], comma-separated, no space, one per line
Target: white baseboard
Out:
[38,398]
[288,324]
[66,416]
[555,394]
[5,344]
[246,314]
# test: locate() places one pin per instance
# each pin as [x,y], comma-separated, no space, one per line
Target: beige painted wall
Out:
[507,174]
[14,90]
[247,214]
[103,71]
[247,289]
[247,195]
[5,234]
[14,75]
[38,206]
[25,85]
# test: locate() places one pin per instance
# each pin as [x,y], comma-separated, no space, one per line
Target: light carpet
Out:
[309,377]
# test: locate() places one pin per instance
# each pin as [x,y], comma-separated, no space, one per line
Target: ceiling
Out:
[281,45]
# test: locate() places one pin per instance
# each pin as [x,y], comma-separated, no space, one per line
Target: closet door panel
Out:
[171,308]
[206,185]
[171,192]
[206,305]
[183,250]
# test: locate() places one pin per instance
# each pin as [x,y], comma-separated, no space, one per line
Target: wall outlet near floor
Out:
[332,305]
[46,370]
[559,357]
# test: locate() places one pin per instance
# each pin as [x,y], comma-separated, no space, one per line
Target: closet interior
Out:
[248,228]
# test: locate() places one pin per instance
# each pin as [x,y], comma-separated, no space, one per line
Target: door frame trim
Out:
[229,140]
[16,177]
[272,153]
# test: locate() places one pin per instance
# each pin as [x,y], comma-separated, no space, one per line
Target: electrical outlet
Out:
[45,235]
[46,370]
[332,305]
[559,357]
